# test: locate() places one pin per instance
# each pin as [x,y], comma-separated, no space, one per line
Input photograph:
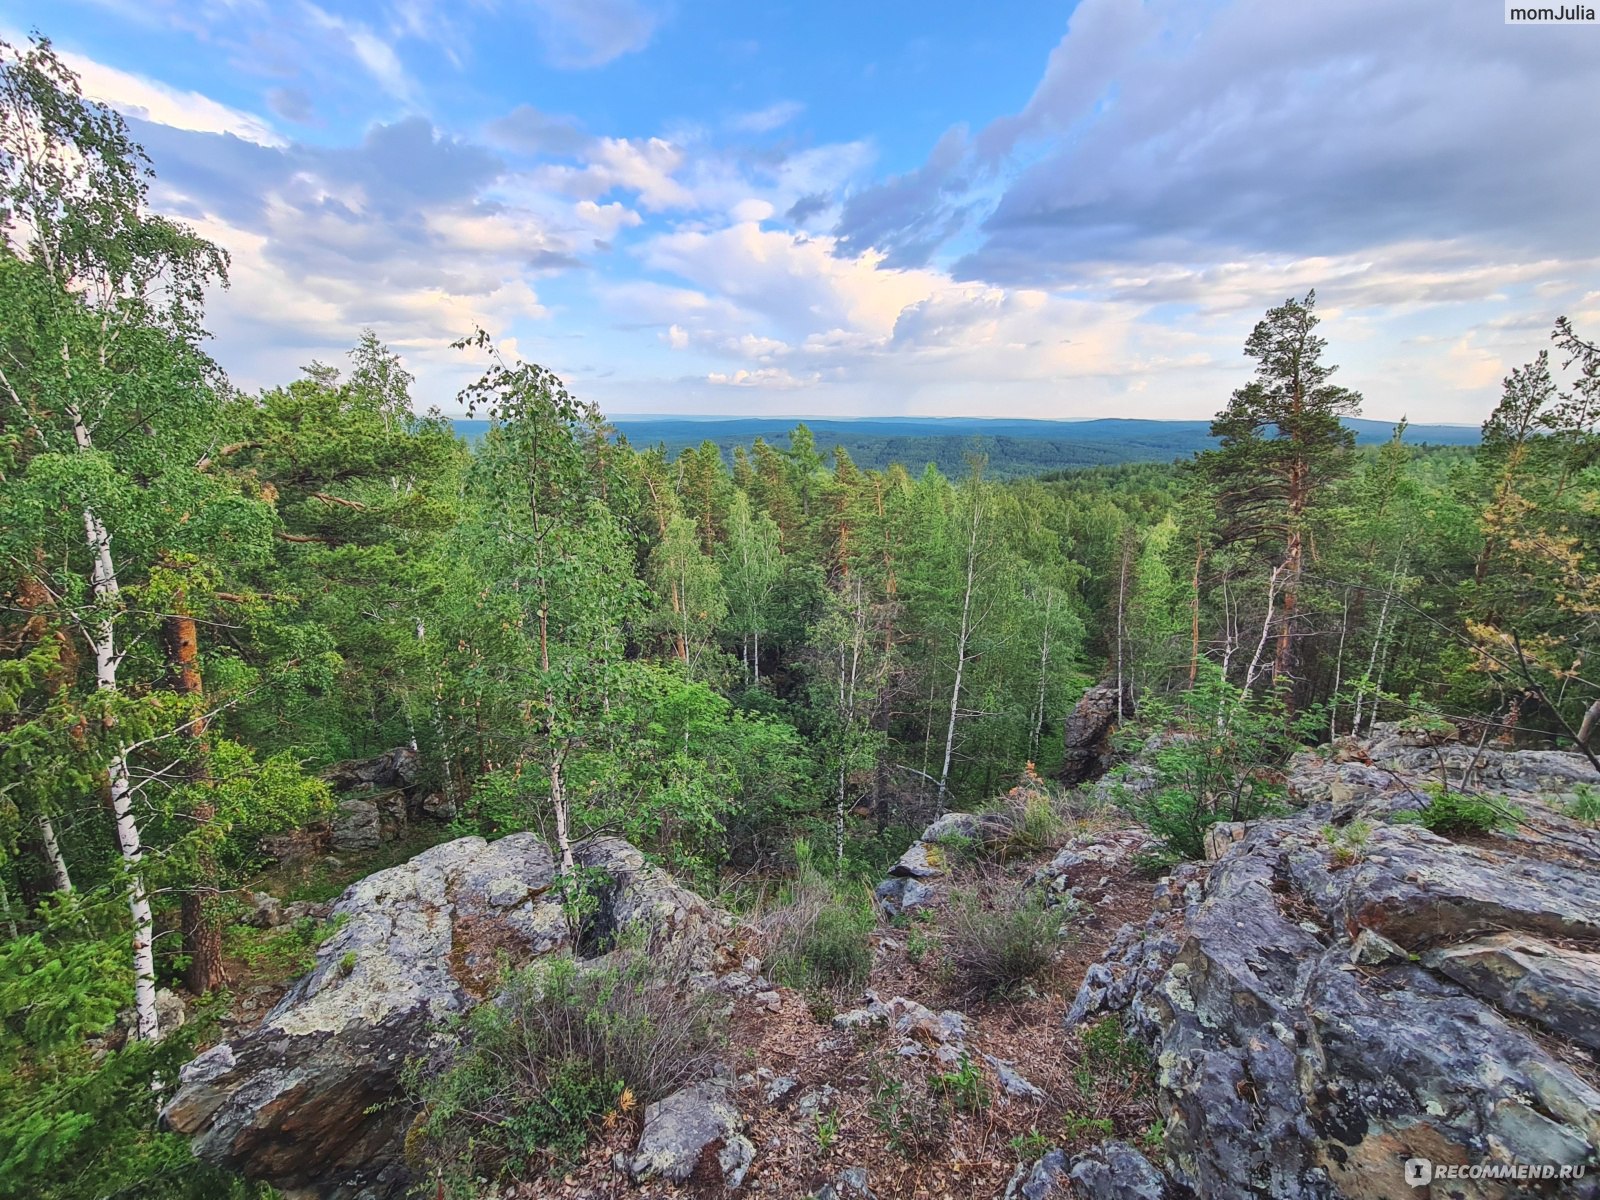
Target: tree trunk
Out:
[1044,665]
[60,878]
[201,927]
[962,639]
[103,640]
[1194,610]
[558,801]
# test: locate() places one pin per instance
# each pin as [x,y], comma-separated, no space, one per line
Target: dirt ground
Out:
[807,1136]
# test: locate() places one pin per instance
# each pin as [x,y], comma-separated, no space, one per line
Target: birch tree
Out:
[102,375]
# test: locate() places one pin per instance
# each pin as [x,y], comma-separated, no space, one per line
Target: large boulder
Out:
[1326,1005]
[1086,739]
[306,1100]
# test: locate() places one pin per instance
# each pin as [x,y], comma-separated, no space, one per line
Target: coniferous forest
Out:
[765,670]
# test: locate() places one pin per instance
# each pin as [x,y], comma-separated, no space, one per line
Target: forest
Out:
[211,597]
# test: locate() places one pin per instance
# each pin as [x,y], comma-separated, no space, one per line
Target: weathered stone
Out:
[1047,1177]
[265,910]
[356,825]
[1086,739]
[1116,1171]
[1557,987]
[1371,949]
[171,1012]
[304,1100]
[395,768]
[696,1125]
[1305,1050]
[923,860]
[1012,1083]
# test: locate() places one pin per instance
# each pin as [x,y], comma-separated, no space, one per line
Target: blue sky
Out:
[1006,209]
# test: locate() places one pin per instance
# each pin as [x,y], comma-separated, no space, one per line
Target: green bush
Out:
[818,938]
[1451,814]
[914,1116]
[529,1076]
[1215,765]
[997,937]
[1585,804]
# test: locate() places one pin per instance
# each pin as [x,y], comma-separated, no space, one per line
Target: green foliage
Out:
[1214,762]
[817,939]
[997,937]
[1029,1146]
[77,1114]
[1347,845]
[912,1114]
[965,1086]
[528,1076]
[1452,814]
[828,1125]
[283,952]
[1585,804]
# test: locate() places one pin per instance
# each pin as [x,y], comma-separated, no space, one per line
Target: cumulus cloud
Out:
[149,100]
[1164,131]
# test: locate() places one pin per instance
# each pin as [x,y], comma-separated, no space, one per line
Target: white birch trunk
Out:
[961,649]
[1044,665]
[103,640]
[59,875]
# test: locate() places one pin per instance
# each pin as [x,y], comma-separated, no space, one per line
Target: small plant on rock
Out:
[1453,814]
[1584,805]
[1347,846]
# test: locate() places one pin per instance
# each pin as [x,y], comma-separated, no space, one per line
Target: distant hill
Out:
[1014,447]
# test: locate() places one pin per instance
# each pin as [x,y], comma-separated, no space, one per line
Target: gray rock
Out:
[779,1088]
[1045,1178]
[356,825]
[1012,1082]
[1372,949]
[1555,986]
[697,1124]
[265,910]
[1116,1171]
[1286,1072]
[171,1012]
[924,860]
[1086,738]
[304,1099]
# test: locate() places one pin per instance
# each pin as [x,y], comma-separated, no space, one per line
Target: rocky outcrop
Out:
[928,858]
[305,1100]
[1338,994]
[1086,739]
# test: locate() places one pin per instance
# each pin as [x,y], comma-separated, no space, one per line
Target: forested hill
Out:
[1014,447]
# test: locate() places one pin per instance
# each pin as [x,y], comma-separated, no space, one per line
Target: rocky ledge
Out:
[306,1099]
[1338,993]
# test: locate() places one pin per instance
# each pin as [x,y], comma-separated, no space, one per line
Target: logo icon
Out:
[1419,1172]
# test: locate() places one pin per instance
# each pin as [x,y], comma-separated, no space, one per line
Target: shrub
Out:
[914,1116]
[1209,768]
[566,1043]
[1451,814]
[1584,805]
[997,937]
[818,939]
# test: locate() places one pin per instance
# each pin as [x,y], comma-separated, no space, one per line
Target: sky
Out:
[1013,209]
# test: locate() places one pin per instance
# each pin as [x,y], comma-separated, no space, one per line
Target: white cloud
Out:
[149,100]
[765,120]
